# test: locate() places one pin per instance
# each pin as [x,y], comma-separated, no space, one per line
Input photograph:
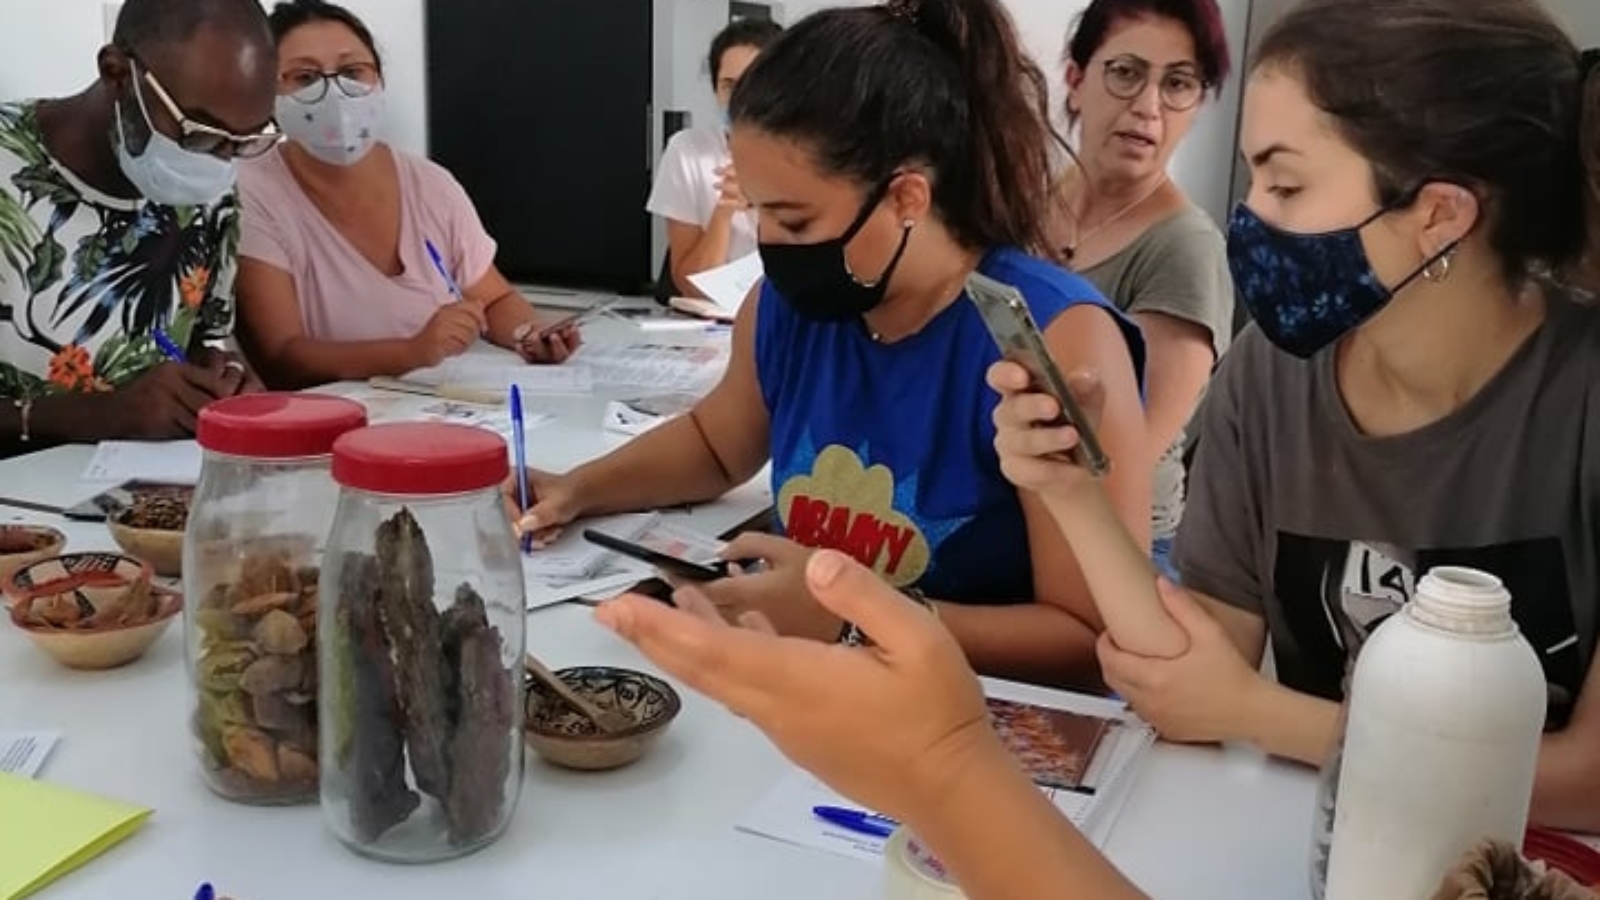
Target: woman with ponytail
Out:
[889,152]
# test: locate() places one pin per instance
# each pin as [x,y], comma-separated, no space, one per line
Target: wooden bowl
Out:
[24,545]
[162,550]
[91,610]
[565,737]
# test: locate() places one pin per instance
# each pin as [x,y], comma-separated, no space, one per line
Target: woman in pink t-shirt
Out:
[335,280]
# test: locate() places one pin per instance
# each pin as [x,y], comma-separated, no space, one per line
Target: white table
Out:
[1201,824]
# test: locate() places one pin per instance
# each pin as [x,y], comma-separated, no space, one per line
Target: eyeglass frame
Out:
[1145,67]
[334,78]
[268,137]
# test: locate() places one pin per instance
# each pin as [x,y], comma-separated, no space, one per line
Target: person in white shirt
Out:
[709,221]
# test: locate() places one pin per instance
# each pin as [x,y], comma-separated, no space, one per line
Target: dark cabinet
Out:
[541,108]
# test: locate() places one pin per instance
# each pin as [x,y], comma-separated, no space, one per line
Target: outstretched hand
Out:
[886,725]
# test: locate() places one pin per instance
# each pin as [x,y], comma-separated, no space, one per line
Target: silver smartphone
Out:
[1005,312]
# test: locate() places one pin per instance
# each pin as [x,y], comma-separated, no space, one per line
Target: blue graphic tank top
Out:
[886,451]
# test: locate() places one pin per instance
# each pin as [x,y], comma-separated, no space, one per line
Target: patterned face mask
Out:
[1305,291]
[339,128]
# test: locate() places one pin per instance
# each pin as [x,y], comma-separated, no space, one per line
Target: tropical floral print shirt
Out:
[85,278]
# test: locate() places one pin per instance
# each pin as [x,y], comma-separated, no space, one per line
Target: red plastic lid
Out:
[425,459]
[277,426]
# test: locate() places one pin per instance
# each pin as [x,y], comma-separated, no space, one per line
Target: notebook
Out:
[64,830]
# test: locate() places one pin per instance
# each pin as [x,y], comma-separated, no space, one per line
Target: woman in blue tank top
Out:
[888,156]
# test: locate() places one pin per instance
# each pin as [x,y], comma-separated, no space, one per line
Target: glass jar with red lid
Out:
[252,552]
[421,643]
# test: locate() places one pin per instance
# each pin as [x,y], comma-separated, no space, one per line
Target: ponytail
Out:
[942,84]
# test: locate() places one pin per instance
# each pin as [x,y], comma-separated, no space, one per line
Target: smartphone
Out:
[577,318]
[674,565]
[113,500]
[1005,313]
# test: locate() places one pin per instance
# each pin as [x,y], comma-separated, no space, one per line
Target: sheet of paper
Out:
[497,372]
[635,417]
[173,462]
[24,754]
[729,285]
[784,814]
[571,558]
[65,829]
[658,367]
[614,576]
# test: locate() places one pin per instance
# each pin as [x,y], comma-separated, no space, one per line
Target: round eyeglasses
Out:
[311,85]
[1127,76]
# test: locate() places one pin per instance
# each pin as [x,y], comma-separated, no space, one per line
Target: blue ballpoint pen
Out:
[519,436]
[444,271]
[168,347]
[857,820]
[206,892]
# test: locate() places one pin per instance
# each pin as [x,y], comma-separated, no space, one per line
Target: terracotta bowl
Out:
[162,550]
[566,738]
[23,545]
[91,610]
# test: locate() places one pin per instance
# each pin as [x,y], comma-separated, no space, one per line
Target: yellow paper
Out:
[47,831]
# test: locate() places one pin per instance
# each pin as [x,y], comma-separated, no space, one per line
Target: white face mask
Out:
[337,129]
[167,174]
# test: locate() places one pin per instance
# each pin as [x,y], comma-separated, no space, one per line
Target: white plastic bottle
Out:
[1446,708]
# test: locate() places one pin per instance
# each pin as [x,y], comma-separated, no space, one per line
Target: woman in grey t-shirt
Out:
[1135,84]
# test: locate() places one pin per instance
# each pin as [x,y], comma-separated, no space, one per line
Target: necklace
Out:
[1071,250]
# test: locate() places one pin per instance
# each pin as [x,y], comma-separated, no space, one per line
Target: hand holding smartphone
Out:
[1005,313]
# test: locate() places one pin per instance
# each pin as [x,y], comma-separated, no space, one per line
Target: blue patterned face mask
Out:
[1305,291]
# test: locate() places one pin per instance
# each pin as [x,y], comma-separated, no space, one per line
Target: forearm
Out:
[1004,840]
[58,419]
[304,363]
[1566,790]
[1287,724]
[667,466]
[709,252]
[1119,576]
[1031,642]
[506,314]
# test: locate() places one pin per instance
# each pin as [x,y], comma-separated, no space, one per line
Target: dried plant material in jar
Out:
[411,626]
[369,745]
[410,683]
[255,669]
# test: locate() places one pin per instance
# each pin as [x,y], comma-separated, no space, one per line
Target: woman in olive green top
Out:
[1136,78]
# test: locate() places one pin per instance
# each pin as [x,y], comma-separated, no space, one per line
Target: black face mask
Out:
[815,279]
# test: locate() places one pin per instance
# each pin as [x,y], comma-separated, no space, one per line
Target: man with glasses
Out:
[119,228]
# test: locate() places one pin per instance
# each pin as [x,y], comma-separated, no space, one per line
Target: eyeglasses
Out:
[198,137]
[308,86]
[1126,77]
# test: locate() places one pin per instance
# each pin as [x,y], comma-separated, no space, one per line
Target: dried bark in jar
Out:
[484,720]
[372,756]
[411,626]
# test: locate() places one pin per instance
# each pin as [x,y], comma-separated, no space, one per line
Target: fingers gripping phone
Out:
[673,565]
[1005,313]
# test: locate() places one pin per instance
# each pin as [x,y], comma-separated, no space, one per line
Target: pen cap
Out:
[912,872]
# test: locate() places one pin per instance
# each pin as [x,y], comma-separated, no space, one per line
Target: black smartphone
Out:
[1005,313]
[674,565]
[113,500]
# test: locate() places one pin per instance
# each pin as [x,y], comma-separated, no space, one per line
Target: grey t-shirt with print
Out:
[1178,268]
[1297,516]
